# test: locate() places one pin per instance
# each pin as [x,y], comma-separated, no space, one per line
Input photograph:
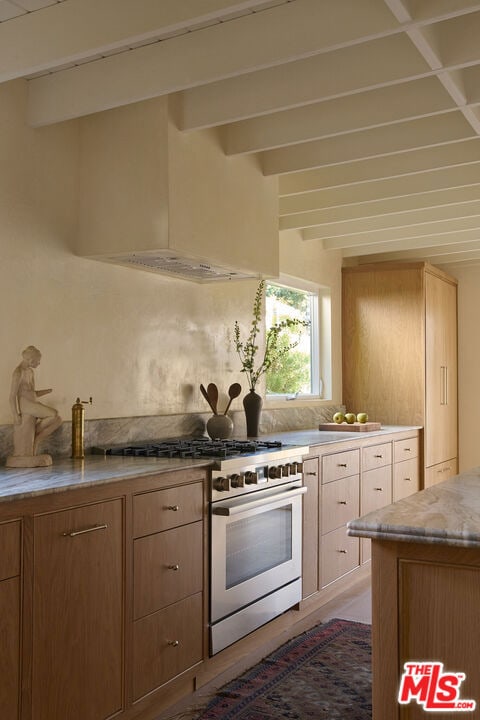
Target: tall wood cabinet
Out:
[399,327]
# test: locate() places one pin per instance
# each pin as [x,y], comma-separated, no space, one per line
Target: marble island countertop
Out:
[65,473]
[447,513]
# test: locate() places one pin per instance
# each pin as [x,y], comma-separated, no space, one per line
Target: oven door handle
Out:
[251,504]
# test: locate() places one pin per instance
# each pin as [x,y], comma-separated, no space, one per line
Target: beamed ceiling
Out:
[367,110]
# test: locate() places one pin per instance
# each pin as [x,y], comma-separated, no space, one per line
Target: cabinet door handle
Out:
[406,450]
[443,385]
[342,464]
[379,489]
[173,643]
[378,456]
[342,502]
[407,479]
[344,552]
[311,473]
[173,567]
[74,533]
[175,508]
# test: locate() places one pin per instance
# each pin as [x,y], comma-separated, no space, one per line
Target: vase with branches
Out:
[248,350]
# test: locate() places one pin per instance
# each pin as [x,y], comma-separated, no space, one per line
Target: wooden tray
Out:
[352,427]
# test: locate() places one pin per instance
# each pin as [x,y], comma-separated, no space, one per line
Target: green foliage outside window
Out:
[291,371]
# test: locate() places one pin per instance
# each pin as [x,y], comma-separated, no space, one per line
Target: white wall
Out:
[139,343]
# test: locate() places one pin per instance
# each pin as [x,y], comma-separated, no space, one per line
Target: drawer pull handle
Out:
[342,464]
[408,479]
[378,456]
[342,551]
[406,450]
[379,489]
[342,502]
[74,533]
[175,508]
[173,643]
[310,473]
[173,567]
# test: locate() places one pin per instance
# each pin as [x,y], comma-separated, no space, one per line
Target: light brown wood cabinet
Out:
[340,503]
[425,607]
[77,643]
[399,327]
[406,475]
[168,578]
[10,543]
[346,480]
[103,611]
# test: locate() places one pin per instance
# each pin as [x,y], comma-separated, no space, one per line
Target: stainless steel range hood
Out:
[156,199]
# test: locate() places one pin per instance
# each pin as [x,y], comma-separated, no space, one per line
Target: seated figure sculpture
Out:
[33,421]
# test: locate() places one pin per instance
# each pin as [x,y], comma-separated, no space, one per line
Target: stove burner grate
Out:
[194,448]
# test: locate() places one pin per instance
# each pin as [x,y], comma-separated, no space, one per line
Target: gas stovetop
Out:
[200,447]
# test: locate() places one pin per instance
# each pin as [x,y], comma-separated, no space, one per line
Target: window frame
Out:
[320,339]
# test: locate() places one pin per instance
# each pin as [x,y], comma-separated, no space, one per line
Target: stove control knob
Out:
[221,484]
[235,481]
[275,472]
[285,470]
[251,477]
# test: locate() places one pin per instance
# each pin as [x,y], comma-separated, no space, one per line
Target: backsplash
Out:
[128,429]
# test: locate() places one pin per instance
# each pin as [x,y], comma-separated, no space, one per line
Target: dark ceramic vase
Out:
[252,404]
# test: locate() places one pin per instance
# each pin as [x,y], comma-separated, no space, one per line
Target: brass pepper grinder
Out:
[78,427]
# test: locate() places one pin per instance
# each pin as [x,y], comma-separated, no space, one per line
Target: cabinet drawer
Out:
[340,554]
[405,479]
[340,502]
[405,449]
[166,644]
[340,465]
[376,456]
[376,489]
[10,553]
[438,473]
[168,566]
[168,508]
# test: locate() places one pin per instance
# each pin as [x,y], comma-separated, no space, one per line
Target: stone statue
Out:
[32,421]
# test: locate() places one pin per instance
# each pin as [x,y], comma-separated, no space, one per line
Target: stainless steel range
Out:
[256,490]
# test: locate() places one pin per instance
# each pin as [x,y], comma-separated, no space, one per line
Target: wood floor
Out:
[354,604]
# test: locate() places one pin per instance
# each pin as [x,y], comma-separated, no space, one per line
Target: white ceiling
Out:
[368,110]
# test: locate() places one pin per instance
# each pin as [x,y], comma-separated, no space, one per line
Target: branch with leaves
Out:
[247,350]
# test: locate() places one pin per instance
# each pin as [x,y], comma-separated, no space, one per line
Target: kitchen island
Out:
[425,591]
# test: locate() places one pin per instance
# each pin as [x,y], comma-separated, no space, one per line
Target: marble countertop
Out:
[447,513]
[313,437]
[65,473]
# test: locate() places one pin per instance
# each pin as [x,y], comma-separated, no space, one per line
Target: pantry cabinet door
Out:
[441,370]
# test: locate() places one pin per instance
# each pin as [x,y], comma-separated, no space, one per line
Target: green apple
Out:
[338,418]
[350,418]
[362,417]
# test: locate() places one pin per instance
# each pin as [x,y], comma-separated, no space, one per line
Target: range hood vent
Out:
[172,263]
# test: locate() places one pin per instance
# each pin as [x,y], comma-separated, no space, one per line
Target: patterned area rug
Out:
[323,673]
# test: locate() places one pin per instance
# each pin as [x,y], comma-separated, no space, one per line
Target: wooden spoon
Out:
[233,392]
[205,395]
[212,392]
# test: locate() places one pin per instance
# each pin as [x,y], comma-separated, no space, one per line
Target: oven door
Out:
[256,546]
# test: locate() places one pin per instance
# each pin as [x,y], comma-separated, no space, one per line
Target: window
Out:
[298,371]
